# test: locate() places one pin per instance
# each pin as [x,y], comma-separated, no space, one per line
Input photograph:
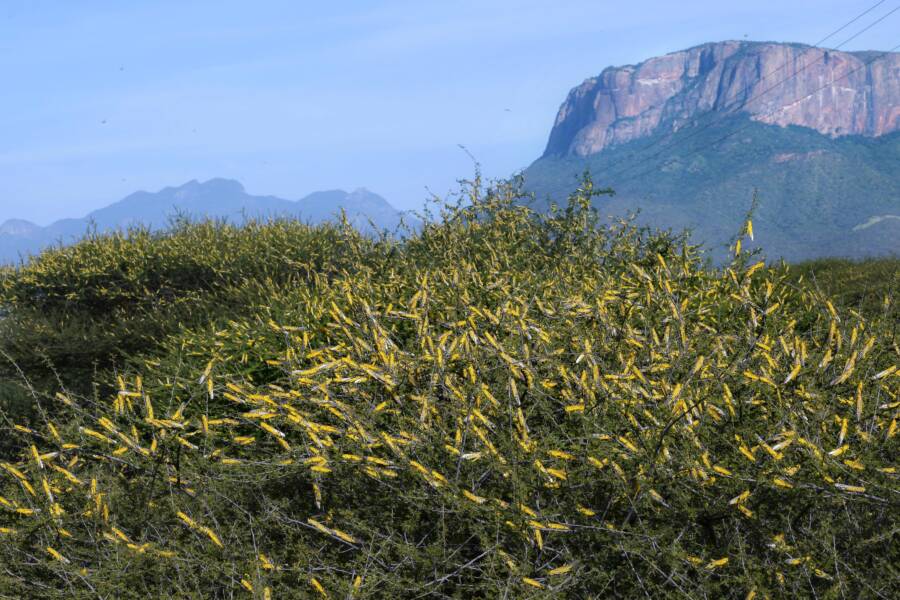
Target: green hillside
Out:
[502,404]
[818,196]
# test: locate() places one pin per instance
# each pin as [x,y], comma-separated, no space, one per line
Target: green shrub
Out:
[868,286]
[82,308]
[506,404]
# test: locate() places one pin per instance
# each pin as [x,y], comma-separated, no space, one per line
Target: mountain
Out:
[19,228]
[216,198]
[686,138]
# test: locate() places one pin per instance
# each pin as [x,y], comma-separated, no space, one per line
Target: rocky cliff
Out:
[835,93]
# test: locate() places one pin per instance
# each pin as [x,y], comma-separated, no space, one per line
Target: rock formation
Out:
[836,93]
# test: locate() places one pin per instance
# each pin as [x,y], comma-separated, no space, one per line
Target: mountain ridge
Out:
[215,198]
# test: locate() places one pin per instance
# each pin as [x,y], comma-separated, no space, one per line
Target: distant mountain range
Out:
[686,138]
[216,198]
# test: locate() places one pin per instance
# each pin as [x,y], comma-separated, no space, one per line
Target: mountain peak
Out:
[216,185]
[775,83]
[18,227]
[216,198]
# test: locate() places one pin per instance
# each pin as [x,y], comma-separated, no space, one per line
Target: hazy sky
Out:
[102,98]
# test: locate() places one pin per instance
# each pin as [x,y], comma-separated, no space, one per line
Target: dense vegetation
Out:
[817,194]
[857,285]
[88,306]
[504,404]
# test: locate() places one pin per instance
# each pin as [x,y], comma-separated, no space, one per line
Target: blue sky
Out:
[102,98]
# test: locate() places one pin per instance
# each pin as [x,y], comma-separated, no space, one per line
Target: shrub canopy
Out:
[504,404]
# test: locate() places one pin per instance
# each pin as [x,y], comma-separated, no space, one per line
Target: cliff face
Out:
[833,92]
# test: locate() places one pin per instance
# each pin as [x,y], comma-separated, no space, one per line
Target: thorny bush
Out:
[503,404]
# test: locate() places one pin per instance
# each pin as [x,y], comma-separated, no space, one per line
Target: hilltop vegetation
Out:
[220,199]
[504,403]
